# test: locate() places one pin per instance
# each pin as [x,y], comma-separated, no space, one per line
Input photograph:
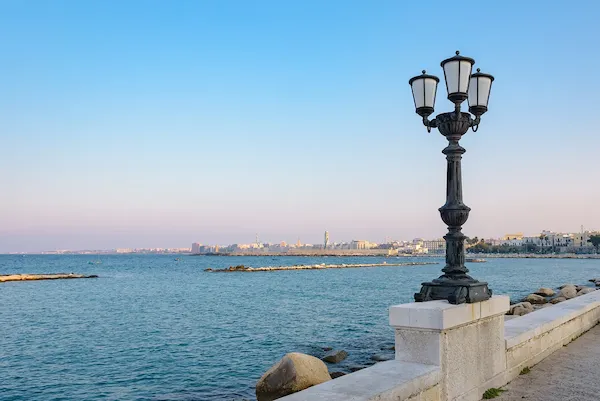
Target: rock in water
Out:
[381,358]
[568,292]
[521,309]
[585,290]
[557,300]
[293,373]
[566,285]
[545,292]
[335,375]
[535,299]
[335,356]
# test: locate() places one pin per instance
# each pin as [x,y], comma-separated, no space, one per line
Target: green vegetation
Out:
[473,241]
[492,393]
[484,247]
[525,370]
[595,240]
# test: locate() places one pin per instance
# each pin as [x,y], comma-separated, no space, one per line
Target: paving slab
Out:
[569,374]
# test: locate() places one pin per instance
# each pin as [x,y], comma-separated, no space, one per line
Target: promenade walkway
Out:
[569,374]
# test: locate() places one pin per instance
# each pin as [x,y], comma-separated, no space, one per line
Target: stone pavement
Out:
[569,374]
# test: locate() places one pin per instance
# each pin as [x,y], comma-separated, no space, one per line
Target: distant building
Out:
[513,239]
[361,244]
[326,242]
[436,246]
[581,240]
[196,247]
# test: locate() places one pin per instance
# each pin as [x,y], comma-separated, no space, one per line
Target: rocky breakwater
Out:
[55,276]
[546,297]
[242,268]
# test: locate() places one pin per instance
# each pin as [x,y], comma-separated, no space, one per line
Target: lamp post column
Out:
[454,213]
[455,284]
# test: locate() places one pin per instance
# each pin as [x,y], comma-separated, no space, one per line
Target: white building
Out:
[362,244]
[435,246]
[512,239]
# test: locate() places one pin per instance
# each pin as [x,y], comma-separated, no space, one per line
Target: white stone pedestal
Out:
[466,341]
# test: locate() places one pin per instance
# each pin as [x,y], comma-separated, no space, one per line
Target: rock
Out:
[388,348]
[541,306]
[327,348]
[293,373]
[520,309]
[535,299]
[593,280]
[545,292]
[568,292]
[579,287]
[335,356]
[566,285]
[356,368]
[585,290]
[335,375]
[381,357]
[557,300]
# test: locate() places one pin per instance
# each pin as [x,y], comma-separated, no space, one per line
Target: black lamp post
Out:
[455,285]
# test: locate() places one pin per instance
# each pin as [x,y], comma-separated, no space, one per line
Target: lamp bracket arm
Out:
[475,123]
[429,123]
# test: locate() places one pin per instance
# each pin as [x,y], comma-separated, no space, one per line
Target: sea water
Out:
[155,328]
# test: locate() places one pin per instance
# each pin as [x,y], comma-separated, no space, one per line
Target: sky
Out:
[162,123]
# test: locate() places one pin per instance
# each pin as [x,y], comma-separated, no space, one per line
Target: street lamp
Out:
[455,285]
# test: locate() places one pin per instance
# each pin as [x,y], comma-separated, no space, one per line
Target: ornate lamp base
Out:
[454,291]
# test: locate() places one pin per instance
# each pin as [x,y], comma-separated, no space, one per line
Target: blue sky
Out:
[156,123]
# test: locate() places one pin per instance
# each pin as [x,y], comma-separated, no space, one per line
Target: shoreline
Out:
[468,255]
[322,266]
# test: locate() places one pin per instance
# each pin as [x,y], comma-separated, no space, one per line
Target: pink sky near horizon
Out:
[202,122]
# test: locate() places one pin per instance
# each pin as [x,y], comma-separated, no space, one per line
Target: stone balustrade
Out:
[450,352]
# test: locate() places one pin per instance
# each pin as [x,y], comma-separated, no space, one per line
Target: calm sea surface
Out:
[153,328]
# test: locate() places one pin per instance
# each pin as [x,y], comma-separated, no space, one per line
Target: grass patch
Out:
[525,370]
[492,393]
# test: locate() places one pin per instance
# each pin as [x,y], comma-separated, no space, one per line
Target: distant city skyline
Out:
[298,242]
[135,124]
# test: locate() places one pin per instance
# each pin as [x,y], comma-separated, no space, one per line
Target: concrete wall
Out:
[391,380]
[532,337]
[455,352]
